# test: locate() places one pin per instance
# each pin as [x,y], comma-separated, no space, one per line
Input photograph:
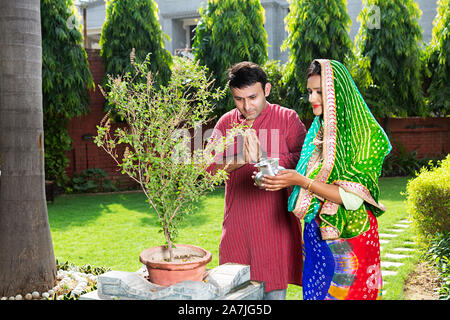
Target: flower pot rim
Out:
[156,263]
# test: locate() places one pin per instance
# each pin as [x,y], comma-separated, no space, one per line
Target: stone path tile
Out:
[385,273]
[396,230]
[395,256]
[400,225]
[404,249]
[388,264]
[388,235]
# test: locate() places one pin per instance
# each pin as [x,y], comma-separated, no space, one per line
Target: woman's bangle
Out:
[308,187]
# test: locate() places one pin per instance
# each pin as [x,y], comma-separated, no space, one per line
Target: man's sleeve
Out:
[294,140]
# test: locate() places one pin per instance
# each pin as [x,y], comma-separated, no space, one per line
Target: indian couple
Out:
[330,182]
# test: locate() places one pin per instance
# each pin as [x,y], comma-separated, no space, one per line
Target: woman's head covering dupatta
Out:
[352,148]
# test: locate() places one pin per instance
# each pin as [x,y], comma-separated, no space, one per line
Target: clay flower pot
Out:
[189,263]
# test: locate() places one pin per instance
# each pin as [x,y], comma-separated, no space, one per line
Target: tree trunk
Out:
[169,242]
[27,261]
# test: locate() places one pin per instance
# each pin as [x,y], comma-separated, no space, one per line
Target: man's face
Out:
[251,100]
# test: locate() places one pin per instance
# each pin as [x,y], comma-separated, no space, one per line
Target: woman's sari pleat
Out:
[342,269]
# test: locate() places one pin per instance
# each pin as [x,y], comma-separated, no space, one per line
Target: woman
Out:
[336,189]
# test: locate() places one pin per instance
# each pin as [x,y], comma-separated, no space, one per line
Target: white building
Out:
[178,19]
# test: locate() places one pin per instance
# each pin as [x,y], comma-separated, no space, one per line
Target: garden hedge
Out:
[428,200]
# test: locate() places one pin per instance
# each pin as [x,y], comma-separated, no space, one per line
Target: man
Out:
[257,228]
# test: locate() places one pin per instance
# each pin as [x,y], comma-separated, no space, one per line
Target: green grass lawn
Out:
[110,230]
[395,202]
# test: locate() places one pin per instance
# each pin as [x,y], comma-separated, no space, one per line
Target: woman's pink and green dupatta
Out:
[346,147]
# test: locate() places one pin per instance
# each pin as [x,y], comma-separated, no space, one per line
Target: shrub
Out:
[438,63]
[133,24]
[274,71]
[401,162]
[438,254]
[316,29]
[158,149]
[66,79]
[230,31]
[428,201]
[390,37]
[92,180]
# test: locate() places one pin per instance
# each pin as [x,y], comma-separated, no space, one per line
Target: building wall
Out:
[85,154]
[429,137]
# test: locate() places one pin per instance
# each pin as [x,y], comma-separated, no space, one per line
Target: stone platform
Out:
[225,282]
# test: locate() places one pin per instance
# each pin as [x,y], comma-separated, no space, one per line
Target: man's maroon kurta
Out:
[257,228]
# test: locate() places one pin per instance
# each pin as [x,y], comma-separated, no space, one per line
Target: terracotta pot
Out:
[167,273]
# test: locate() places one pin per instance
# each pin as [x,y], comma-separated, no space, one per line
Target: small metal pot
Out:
[267,167]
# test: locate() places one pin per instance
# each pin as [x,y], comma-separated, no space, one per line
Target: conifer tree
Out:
[230,31]
[133,24]
[316,30]
[438,62]
[66,79]
[392,47]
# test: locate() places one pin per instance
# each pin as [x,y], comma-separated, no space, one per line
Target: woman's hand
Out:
[289,178]
[284,179]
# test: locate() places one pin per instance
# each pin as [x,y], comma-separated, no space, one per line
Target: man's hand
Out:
[252,147]
[230,164]
[233,163]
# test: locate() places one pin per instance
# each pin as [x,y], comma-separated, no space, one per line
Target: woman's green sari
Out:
[346,147]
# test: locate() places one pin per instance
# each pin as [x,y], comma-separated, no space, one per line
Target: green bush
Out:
[229,31]
[401,162]
[158,153]
[437,72]
[390,37]
[428,201]
[132,25]
[438,254]
[92,180]
[66,79]
[274,71]
[316,30]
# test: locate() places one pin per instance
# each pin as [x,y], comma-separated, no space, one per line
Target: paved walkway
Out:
[392,260]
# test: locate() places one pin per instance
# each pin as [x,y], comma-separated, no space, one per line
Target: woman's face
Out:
[314,88]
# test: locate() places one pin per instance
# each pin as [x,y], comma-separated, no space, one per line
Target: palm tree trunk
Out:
[27,260]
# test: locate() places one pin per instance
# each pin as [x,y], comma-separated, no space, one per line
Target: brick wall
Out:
[85,153]
[430,136]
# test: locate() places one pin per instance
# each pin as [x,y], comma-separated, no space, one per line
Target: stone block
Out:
[219,283]
[251,290]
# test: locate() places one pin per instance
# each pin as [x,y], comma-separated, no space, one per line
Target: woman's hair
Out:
[313,69]
[245,74]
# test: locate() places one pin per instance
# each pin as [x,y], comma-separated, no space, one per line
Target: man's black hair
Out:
[244,74]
